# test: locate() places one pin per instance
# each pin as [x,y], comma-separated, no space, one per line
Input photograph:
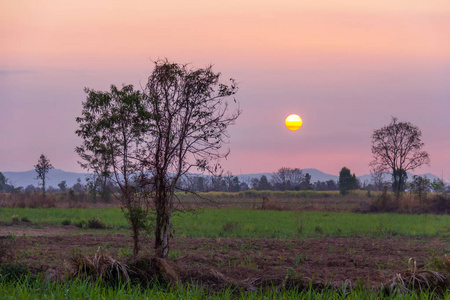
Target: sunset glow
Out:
[351,63]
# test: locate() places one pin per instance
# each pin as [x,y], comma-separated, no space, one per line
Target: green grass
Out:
[292,224]
[246,223]
[79,289]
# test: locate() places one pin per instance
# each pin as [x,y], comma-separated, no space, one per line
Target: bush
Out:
[15,218]
[67,222]
[96,223]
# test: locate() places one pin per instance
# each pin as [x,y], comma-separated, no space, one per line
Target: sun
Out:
[293,122]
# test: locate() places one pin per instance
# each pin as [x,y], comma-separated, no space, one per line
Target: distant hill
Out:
[55,176]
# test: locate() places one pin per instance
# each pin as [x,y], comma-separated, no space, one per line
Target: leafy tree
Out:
[438,185]
[397,147]
[78,187]
[42,168]
[306,183]
[2,182]
[347,181]
[62,186]
[261,184]
[420,186]
[113,127]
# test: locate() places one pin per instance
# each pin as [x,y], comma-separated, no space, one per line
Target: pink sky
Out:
[344,66]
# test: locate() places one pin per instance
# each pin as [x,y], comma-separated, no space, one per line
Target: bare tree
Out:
[377,177]
[42,168]
[397,147]
[188,130]
[287,179]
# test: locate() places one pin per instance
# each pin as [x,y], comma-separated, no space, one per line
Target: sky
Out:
[346,67]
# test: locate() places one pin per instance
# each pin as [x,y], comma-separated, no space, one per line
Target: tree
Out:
[347,181]
[287,179]
[397,147]
[438,185]
[148,141]
[113,127]
[188,129]
[420,186]
[62,186]
[42,168]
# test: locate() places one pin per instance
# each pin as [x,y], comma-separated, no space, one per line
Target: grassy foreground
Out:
[248,223]
[78,289]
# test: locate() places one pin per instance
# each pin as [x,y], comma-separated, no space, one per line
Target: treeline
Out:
[95,188]
[285,179]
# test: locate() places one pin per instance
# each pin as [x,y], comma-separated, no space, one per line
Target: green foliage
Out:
[420,186]
[347,181]
[39,288]
[42,168]
[438,185]
[96,223]
[66,222]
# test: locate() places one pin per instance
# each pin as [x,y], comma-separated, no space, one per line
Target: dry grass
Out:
[414,279]
[100,267]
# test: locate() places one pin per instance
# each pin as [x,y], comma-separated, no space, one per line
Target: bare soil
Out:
[328,260]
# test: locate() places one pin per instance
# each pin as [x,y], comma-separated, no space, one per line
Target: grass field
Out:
[234,223]
[26,288]
[247,223]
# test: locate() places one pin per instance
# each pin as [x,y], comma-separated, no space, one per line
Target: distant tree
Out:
[287,179]
[2,182]
[243,186]
[397,147]
[438,185]
[232,182]
[420,186]
[331,185]
[347,181]
[62,186]
[306,183]
[42,168]
[78,187]
[377,176]
[263,184]
[30,188]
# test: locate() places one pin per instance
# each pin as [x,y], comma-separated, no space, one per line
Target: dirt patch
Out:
[371,261]
[31,229]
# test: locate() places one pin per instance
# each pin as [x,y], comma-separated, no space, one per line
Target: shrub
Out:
[67,222]
[96,223]
[81,224]
[15,218]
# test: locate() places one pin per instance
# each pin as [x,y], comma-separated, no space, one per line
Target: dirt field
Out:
[371,261]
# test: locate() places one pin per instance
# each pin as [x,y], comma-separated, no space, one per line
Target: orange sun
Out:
[293,122]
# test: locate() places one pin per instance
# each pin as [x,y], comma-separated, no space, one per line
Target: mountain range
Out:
[55,176]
